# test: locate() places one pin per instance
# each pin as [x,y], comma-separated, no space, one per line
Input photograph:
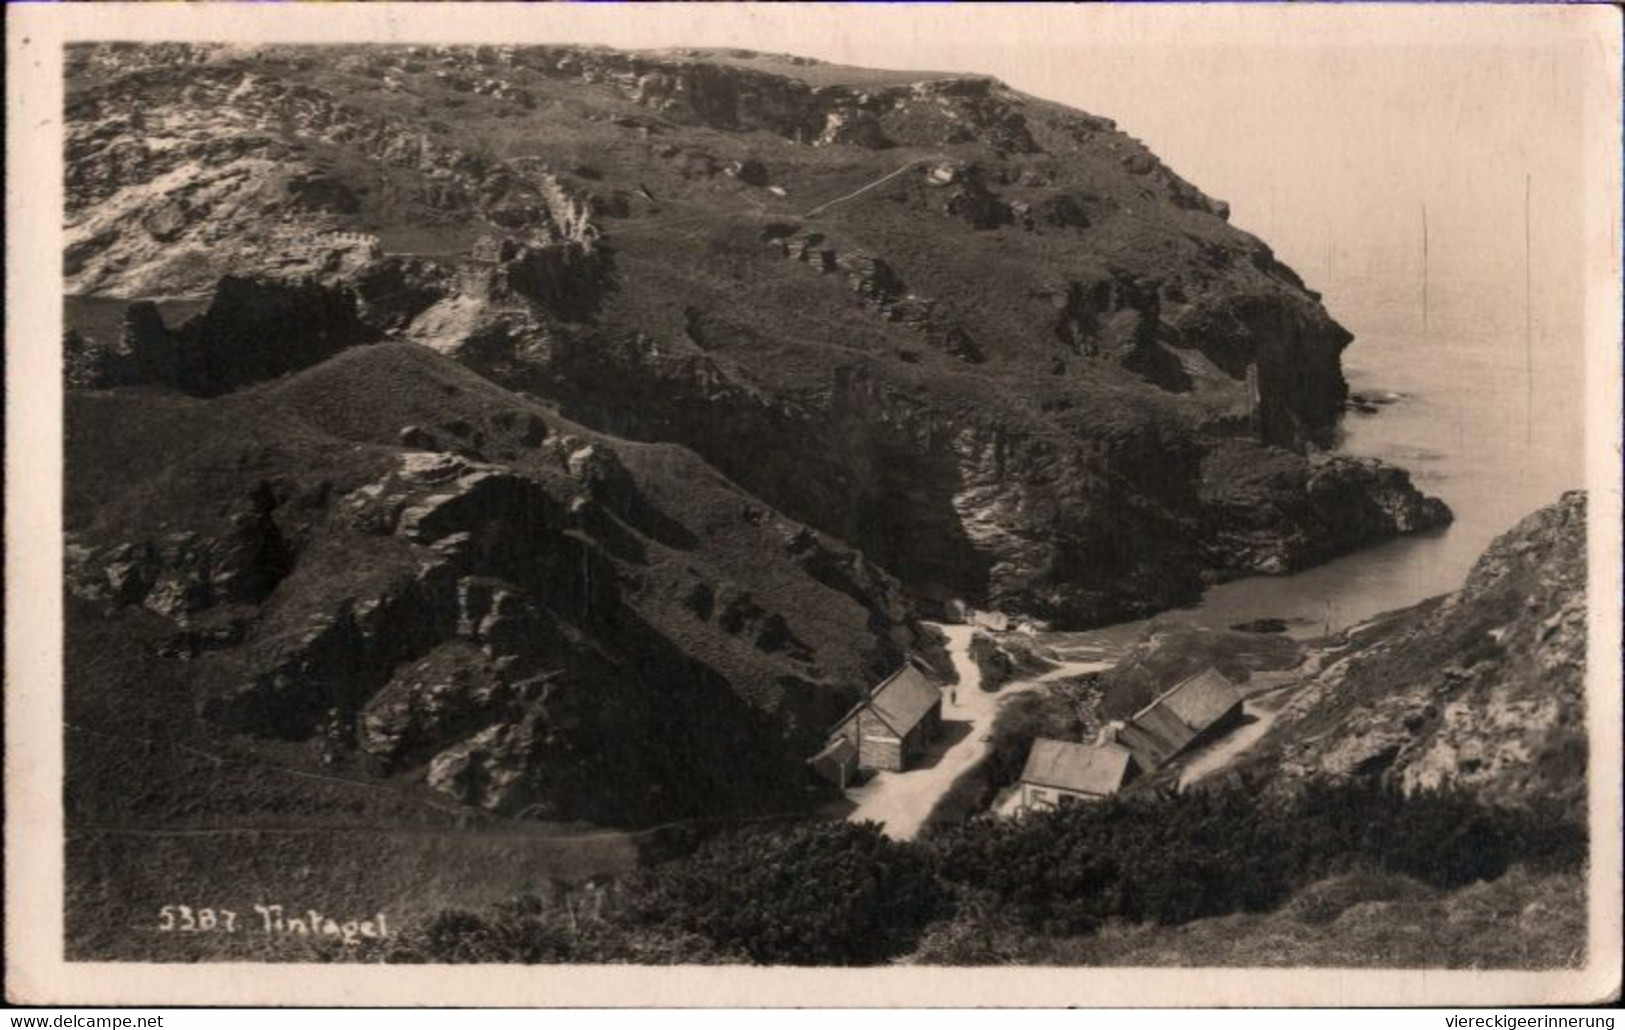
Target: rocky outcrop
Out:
[1294,347]
[1482,690]
[1119,318]
[181,574]
[1265,511]
[392,292]
[994,343]
[1080,531]
[253,330]
[490,601]
[880,288]
[566,280]
[226,178]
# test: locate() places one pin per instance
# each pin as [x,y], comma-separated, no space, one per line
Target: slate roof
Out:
[1085,768]
[1202,699]
[904,699]
[1155,737]
[901,700]
[1178,716]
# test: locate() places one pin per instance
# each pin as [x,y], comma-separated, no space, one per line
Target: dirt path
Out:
[861,190]
[901,801]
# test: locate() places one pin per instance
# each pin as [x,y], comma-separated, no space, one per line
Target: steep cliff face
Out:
[1483,689]
[993,343]
[416,573]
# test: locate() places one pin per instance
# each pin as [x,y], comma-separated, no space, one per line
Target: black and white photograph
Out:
[1004,488]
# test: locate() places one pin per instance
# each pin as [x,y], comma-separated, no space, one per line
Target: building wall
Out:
[878,746]
[1033,796]
[919,738]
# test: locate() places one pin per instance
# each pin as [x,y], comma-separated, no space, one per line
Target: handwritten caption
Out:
[272,920]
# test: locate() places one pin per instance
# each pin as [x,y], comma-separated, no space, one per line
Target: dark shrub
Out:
[991,661]
[527,931]
[844,894]
[1171,858]
[826,894]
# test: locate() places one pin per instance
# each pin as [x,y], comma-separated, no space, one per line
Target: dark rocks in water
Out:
[1375,397]
[1261,626]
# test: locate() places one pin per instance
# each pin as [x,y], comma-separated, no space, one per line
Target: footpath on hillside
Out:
[861,190]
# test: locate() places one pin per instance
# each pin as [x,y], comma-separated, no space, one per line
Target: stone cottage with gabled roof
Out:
[897,721]
[1191,712]
[1063,772]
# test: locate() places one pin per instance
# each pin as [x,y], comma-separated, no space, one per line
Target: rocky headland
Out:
[580,431]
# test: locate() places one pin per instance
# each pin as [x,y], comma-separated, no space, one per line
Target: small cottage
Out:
[892,727]
[1061,772]
[1191,712]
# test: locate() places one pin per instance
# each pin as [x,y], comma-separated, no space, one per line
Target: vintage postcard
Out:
[813,505]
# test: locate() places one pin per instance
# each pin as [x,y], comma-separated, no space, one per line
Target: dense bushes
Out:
[822,894]
[1173,858]
[828,894]
[530,931]
[844,894]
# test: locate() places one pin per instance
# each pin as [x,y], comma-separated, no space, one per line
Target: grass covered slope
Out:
[414,570]
[990,341]
[385,607]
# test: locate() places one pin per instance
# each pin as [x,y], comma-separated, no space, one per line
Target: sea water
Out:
[1487,414]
